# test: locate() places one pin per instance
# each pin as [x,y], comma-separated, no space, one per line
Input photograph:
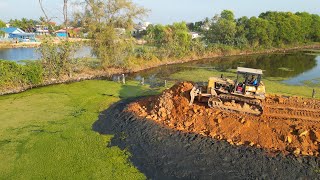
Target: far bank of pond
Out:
[298,67]
[293,68]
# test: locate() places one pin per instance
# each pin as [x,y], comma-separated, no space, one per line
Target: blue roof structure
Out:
[18,34]
[11,30]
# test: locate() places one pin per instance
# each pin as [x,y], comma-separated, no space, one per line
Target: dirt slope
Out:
[161,152]
[289,125]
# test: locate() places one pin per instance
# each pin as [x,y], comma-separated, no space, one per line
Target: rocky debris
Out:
[285,134]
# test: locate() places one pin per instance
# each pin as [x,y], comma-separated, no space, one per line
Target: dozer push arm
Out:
[193,93]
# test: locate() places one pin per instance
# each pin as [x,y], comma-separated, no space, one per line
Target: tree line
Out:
[109,24]
[269,29]
[224,32]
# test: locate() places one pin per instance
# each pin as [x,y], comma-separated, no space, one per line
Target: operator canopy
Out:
[249,70]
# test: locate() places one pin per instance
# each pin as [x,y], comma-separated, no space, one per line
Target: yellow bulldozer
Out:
[244,94]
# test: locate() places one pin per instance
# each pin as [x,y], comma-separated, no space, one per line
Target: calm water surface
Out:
[296,67]
[18,54]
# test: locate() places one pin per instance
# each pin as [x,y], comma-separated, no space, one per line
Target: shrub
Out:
[57,58]
[14,75]
[33,72]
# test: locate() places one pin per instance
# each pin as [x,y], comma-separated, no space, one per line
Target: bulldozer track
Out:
[296,104]
[287,108]
[315,110]
[240,99]
[217,102]
[292,113]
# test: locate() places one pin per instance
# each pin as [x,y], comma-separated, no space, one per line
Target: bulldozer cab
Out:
[248,80]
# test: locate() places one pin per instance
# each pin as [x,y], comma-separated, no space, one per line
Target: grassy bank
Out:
[88,68]
[273,85]
[46,133]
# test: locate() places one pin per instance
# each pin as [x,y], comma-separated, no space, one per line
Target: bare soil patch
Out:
[288,125]
[163,152]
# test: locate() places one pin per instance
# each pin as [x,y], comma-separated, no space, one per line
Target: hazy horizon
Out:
[166,11]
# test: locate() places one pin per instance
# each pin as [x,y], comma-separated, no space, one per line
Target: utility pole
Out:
[45,16]
[65,15]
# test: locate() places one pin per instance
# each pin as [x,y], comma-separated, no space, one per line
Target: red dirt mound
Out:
[290,125]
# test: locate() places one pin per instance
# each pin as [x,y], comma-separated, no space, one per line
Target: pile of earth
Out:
[288,125]
[161,152]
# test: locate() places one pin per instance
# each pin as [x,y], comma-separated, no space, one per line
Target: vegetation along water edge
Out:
[118,52]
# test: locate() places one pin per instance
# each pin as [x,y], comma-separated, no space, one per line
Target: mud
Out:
[288,125]
[162,152]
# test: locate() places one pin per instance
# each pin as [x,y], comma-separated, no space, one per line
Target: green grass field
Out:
[46,133]
[273,85]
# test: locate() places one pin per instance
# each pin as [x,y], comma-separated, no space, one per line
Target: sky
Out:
[167,11]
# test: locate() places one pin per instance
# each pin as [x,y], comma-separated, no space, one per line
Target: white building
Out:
[194,35]
[42,30]
[140,28]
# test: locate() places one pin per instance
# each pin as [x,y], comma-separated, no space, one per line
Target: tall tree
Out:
[242,32]
[105,21]
[315,31]
[25,24]
[223,30]
[174,39]
[46,19]
[2,24]
[260,32]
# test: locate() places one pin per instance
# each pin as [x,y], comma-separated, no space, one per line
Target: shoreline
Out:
[104,74]
[13,45]
[19,45]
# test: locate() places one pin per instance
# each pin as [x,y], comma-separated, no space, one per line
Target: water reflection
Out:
[312,75]
[275,65]
[18,54]
[296,67]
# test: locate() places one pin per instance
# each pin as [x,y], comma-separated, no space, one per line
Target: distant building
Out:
[17,34]
[146,24]
[140,29]
[61,33]
[42,30]
[72,32]
[194,35]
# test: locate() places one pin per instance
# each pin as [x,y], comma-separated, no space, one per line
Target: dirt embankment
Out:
[289,125]
[162,152]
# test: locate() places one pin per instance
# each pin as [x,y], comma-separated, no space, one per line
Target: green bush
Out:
[14,75]
[144,53]
[33,72]
[57,58]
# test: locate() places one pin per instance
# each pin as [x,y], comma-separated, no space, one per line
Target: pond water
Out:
[18,54]
[312,75]
[296,67]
